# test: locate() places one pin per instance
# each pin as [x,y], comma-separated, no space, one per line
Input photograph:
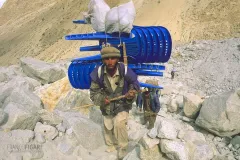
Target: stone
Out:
[235,140]
[174,149]
[40,138]
[88,133]
[192,105]
[153,153]
[19,117]
[95,115]
[47,131]
[167,129]
[220,114]
[148,142]
[41,71]
[3,117]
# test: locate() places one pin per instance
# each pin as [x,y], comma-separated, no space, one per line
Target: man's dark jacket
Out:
[101,88]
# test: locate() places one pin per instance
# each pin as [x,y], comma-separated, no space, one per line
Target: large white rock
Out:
[19,144]
[88,133]
[172,106]
[193,136]
[166,129]
[74,98]
[153,153]
[179,100]
[8,73]
[220,114]
[67,144]
[3,75]
[26,98]
[135,130]
[48,132]
[50,118]
[13,84]
[39,138]
[24,135]
[192,105]
[202,151]
[41,71]
[174,150]
[51,152]
[19,117]
[148,142]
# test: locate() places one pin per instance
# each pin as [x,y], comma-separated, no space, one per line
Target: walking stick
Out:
[111,100]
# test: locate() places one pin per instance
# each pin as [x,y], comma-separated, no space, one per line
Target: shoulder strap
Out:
[100,71]
[100,75]
[123,68]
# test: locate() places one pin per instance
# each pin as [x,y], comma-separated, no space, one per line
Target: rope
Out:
[119,33]
[105,32]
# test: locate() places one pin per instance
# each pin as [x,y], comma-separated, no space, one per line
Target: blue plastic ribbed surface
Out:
[144,45]
[151,44]
[79,72]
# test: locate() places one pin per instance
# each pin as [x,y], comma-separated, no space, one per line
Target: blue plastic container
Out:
[144,45]
[79,72]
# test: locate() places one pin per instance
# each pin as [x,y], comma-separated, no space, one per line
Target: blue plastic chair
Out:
[149,85]
[144,44]
[79,22]
[79,72]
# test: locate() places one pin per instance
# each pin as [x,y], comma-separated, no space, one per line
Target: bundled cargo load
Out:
[97,10]
[120,19]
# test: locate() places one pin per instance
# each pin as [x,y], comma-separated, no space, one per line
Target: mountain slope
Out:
[37,28]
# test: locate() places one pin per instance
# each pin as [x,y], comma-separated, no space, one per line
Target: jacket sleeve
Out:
[132,80]
[157,103]
[132,83]
[96,94]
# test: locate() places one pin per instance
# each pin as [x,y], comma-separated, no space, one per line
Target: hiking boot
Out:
[110,149]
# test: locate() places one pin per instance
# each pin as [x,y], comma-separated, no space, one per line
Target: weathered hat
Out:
[108,52]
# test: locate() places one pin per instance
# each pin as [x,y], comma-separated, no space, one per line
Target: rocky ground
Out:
[195,122]
[209,66]
[199,117]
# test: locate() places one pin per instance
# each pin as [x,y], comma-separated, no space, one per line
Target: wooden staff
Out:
[125,61]
[111,100]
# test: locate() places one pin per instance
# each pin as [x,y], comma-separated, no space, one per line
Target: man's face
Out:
[110,62]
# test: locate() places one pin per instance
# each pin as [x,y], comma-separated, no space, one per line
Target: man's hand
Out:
[106,101]
[130,94]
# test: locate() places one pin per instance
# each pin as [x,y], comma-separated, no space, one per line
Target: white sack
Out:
[97,10]
[120,19]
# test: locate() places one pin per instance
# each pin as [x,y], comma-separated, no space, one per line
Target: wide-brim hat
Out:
[108,52]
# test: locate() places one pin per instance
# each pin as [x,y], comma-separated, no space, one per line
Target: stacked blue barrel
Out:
[144,46]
